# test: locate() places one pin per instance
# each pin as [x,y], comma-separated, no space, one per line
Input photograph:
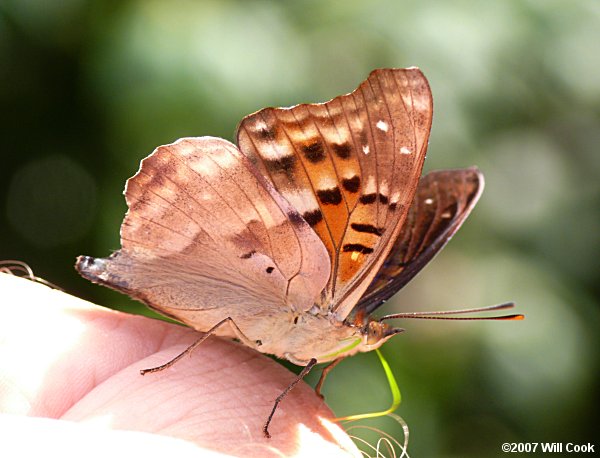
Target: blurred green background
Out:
[88,88]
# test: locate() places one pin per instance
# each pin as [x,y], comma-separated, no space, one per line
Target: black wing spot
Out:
[295,320]
[295,218]
[313,217]
[267,133]
[351,184]
[270,269]
[366,228]
[331,196]
[368,198]
[393,206]
[283,164]
[314,152]
[247,255]
[383,199]
[342,150]
[357,247]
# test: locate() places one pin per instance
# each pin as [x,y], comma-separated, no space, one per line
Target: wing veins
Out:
[337,176]
[385,102]
[420,248]
[255,210]
[206,182]
[251,138]
[171,204]
[375,152]
[411,113]
[270,254]
[216,279]
[297,154]
[356,148]
[270,241]
[153,221]
[362,94]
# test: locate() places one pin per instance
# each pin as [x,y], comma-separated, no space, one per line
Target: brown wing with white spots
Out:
[350,166]
[207,237]
[443,201]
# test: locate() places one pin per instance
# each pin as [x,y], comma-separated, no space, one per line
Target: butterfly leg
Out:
[206,335]
[289,388]
[326,371]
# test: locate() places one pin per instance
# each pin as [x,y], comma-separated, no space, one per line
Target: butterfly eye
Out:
[378,332]
[373,332]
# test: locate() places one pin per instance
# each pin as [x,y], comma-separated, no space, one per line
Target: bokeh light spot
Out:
[51,201]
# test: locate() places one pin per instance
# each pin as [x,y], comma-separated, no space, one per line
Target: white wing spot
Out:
[259,125]
[382,125]
[370,186]
[349,173]
[302,200]
[208,167]
[405,150]
[366,149]
[326,182]
[446,215]
[428,201]
[384,188]
[277,151]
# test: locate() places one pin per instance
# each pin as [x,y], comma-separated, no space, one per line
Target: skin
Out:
[70,381]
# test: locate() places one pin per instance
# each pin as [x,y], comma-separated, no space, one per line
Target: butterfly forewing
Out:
[442,202]
[350,167]
[207,237]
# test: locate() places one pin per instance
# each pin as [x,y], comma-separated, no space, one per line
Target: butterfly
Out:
[291,239]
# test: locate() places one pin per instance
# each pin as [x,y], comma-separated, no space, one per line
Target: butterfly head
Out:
[376,333]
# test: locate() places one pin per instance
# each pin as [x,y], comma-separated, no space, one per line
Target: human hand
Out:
[70,382]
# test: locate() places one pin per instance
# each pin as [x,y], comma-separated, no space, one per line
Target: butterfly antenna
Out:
[439,315]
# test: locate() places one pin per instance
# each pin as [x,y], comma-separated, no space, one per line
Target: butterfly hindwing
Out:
[350,167]
[442,202]
[207,237]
